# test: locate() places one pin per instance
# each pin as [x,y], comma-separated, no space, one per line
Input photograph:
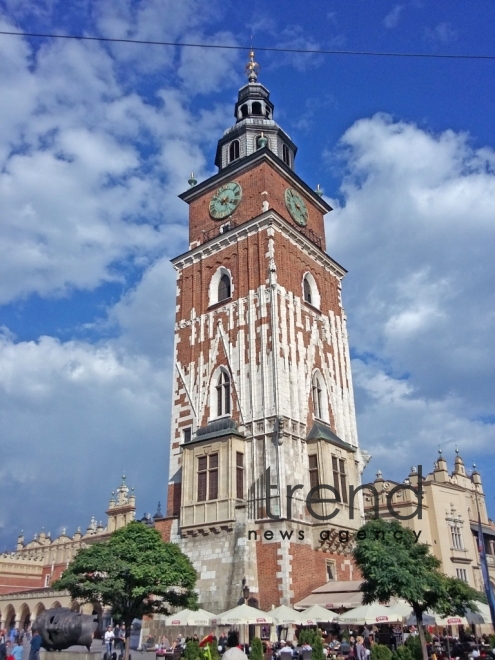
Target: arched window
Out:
[224,287]
[317,397]
[223,394]
[310,292]
[286,154]
[244,110]
[234,150]
[221,285]
[307,290]
[256,109]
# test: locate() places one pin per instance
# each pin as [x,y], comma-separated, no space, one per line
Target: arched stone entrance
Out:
[24,617]
[9,617]
[38,609]
[75,606]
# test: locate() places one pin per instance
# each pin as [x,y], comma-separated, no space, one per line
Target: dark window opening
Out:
[244,111]
[239,475]
[234,150]
[307,291]
[313,471]
[223,394]
[339,478]
[186,435]
[256,109]
[208,477]
[224,287]
[202,478]
[286,154]
[317,397]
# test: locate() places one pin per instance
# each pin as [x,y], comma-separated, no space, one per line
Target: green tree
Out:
[404,653]
[192,650]
[317,647]
[380,652]
[134,572]
[394,564]
[256,649]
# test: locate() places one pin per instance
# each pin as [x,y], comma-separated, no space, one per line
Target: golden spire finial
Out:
[252,68]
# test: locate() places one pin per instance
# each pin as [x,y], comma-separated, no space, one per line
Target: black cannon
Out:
[61,627]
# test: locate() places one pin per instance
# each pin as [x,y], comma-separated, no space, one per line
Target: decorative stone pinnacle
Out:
[414,469]
[379,474]
[252,68]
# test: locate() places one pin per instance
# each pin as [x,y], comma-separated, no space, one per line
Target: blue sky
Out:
[98,139]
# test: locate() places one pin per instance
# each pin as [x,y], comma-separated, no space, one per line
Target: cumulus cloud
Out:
[443,33]
[415,227]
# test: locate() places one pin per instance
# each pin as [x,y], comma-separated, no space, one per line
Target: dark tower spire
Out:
[255,128]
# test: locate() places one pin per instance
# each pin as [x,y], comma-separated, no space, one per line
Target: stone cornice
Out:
[261,222]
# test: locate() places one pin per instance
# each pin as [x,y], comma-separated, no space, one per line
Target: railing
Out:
[208,234]
[310,234]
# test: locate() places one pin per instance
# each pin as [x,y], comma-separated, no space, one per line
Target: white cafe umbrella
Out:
[190,618]
[435,619]
[481,616]
[242,614]
[317,614]
[285,615]
[372,614]
[400,607]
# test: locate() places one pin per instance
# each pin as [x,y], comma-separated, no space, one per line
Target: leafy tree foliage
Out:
[192,650]
[380,652]
[256,649]
[394,564]
[134,572]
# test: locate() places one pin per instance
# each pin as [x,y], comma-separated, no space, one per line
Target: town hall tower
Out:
[263,400]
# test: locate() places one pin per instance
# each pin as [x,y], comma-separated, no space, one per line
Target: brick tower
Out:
[262,391]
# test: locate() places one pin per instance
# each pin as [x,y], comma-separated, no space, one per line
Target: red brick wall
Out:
[268,582]
[164,526]
[173,499]
[254,181]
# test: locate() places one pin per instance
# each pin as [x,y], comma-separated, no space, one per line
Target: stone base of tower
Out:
[281,562]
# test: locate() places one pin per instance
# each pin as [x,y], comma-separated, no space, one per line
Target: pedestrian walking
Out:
[18,651]
[109,637]
[34,653]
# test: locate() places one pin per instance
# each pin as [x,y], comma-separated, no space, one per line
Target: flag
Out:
[206,640]
[484,571]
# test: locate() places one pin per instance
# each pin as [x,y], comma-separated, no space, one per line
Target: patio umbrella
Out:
[374,613]
[316,614]
[400,607]
[190,618]
[482,616]
[434,619]
[242,614]
[285,615]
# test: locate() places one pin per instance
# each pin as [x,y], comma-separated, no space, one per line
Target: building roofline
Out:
[252,160]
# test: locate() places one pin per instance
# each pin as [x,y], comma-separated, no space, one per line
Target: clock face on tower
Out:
[225,200]
[296,207]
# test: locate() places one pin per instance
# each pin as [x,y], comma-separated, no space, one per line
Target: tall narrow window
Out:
[202,477]
[234,150]
[317,397]
[286,154]
[224,288]
[455,533]
[461,574]
[213,477]
[307,291]
[313,471]
[239,475]
[186,435]
[331,570]
[343,481]
[336,475]
[208,477]
[223,394]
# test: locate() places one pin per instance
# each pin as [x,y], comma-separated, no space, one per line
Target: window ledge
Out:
[220,303]
[312,307]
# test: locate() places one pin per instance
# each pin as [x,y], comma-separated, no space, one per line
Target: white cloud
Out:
[415,229]
[442,33]
[391,20]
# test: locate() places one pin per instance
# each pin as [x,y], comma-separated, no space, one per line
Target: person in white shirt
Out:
[109,637]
